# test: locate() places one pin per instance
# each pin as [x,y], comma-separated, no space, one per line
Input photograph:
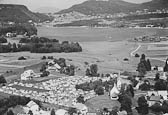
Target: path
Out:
[132,53]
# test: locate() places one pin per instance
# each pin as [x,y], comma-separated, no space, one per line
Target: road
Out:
[132,53]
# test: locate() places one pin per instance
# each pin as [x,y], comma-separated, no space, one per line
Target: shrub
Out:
[126,59]
[99,90]
[2,79]
[43,58]
[137,55]
[3,40]
[21,58]
[45,74]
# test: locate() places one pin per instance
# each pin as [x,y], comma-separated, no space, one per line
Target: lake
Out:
[84,34]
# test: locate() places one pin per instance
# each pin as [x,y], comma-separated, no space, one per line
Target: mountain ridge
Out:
[93,7]
[20,14]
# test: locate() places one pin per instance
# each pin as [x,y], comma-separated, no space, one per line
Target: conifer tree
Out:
[166,66]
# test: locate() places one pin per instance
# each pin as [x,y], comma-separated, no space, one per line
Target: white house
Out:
[29,74]
[61,112]
[81,108]
[33,106]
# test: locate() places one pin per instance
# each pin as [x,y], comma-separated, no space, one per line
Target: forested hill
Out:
[93,7]
[20,14]
[155,4]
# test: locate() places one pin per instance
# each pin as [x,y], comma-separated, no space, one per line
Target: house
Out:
[33,106]
[61,112]
[81,108]
[27,75]
[153,100]
[163,94]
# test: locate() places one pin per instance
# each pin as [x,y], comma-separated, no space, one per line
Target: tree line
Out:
[19,29]
[41,45]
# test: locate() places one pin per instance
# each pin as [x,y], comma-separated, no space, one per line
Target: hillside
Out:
[155,4]
[20,14]
[93,7]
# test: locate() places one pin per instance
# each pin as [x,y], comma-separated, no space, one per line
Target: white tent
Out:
[61,112]
[114,92]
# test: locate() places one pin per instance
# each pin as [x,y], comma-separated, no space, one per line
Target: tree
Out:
[3,40]
[52,112]
[148,65]
[126,103]
[137,55]
[87,72]
[157,76]
[93,69]
[30,112]
[160,85]
[71,70]
[80,99]
[14,47]
[71,111]
[166,66]
[43,58]
[143,56]
[143,106]
[99,90]
[10,112]
[145,86]
[141,69]
[2,79]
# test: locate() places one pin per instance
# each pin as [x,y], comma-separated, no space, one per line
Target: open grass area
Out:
[101,102]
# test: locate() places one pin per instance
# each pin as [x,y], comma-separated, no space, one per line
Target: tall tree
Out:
[148,65]
[93,69]
[2,79]
[166,66]
[52,112]
[14,47]
[141,69]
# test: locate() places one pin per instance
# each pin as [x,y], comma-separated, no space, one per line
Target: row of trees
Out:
[37,40]
[41,47]
[19,29]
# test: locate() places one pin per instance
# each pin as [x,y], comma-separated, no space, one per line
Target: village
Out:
[65,91]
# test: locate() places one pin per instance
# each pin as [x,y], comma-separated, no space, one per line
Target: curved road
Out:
[132,53]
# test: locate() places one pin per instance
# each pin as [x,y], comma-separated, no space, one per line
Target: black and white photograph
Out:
[83,57]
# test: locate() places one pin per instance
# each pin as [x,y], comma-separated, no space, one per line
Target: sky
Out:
[61,4]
